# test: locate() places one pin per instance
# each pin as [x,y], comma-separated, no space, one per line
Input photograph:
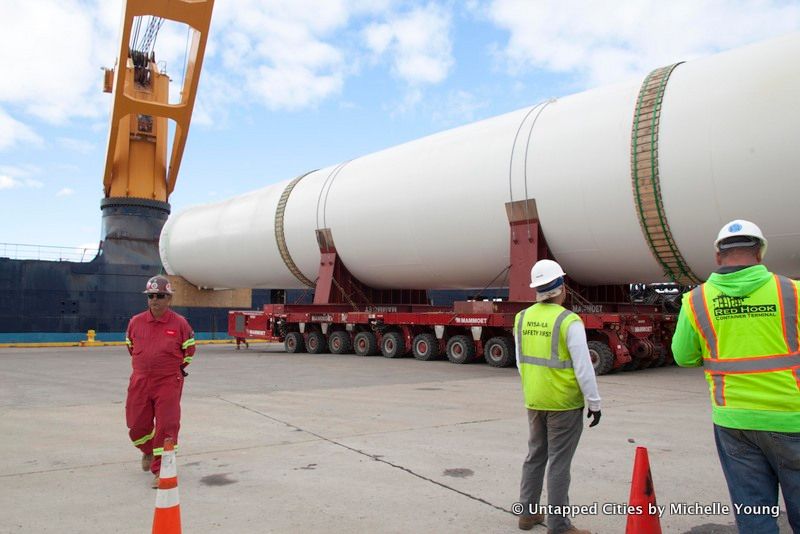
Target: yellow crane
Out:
[138,178]
[136,165]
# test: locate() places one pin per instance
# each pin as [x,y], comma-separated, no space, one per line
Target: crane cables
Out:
[144,42]
[141,46]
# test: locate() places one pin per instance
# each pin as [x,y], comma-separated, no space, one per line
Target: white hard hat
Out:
[544,272]
[740,233]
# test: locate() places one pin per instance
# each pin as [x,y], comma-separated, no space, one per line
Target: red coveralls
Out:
[159,349]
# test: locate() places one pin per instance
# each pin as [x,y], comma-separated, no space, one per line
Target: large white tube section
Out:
[431,213]
[730,149]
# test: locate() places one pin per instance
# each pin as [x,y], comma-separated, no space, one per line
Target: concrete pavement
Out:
[272,442]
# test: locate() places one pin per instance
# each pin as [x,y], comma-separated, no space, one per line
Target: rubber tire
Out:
[339,342]
[393,345]
[661,359]
[604,363]
[647,364]
[430,343]
[460,349]
[630,367]
[294,343]
[315,343]
[505,351]
[365,344]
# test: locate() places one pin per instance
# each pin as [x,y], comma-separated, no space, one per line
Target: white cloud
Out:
[378,37]
[65,192]
[20,171]
[609,41]
[13,132]
[292,87]
[418,42]
[7,182]
[15,177]
[282,54]
[411,99]
[57,47]
[53,51]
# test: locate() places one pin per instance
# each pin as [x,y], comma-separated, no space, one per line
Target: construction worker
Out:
[161,344]
[742,327]
[557,374]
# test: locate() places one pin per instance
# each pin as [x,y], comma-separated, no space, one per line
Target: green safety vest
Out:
[545,365]
[750,354]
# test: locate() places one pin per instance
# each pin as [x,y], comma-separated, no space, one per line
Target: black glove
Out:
[183,372]
[594,416]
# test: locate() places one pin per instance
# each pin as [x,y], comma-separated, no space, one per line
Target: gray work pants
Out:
[553,439]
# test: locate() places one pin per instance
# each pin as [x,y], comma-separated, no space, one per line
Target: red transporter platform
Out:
[348,316]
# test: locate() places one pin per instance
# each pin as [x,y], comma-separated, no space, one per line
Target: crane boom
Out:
[136,166]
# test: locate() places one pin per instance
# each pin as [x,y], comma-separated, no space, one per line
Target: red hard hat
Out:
[158,284]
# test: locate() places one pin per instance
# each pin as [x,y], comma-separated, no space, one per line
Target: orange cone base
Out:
[167,520]
[643,524]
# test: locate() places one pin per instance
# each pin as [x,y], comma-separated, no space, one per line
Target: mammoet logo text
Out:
[731,307]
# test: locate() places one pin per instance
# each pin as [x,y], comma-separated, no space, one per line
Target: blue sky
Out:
[293,85]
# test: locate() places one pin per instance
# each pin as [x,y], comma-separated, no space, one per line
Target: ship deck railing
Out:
[21,251]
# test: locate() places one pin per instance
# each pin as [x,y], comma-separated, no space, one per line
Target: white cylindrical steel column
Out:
[431,213]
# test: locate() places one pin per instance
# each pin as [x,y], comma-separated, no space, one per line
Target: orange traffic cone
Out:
[643,512]
[167,518]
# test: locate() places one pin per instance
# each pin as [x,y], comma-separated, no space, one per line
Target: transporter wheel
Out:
[661,359]
[499,351]
[393,345]
[425,347]
[339,343]
[365,344]
[315,343]
[460,349]
[294,343]
[632,365]
[653,356]
[602,357]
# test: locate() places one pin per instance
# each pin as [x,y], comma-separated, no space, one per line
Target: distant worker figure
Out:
[557,373]
[161,344]
[742,327]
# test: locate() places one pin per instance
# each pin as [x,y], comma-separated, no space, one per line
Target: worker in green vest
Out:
[557,373]
[742,327]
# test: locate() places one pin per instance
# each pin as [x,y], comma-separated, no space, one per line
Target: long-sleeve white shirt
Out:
[581,363]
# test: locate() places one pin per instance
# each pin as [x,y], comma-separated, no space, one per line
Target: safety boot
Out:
[571,530]
[154,484]
[526,522]
[147,459]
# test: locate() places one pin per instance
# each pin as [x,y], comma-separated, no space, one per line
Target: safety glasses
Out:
[158,296]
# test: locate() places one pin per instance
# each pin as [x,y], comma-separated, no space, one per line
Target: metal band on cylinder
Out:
[280,236]
[645,178]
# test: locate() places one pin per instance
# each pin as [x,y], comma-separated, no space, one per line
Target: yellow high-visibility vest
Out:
[750,354]
[548,379]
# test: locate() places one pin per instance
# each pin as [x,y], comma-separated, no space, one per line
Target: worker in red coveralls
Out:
[161,344]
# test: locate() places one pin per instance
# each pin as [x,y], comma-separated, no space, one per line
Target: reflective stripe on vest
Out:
[554,362]
[757,364]
[697,300]
[788,297]
[717,368]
